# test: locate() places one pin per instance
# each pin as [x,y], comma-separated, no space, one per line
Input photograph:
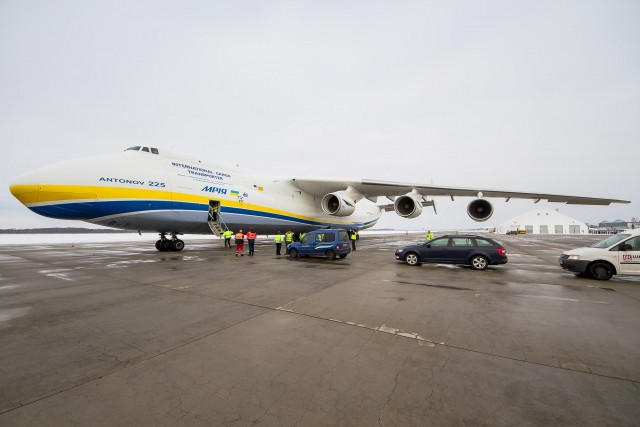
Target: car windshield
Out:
[616,238]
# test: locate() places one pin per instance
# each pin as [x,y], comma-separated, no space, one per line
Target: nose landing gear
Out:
[164,244]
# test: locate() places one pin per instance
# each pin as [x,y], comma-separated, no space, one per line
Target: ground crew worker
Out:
[278,238]
[239,243]
[429,235]
[227,238]
[251,238]
[288,237]
[353,235]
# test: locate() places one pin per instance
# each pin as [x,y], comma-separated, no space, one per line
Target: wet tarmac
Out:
[120,334]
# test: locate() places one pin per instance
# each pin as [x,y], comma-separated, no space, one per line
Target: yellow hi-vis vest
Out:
[288,237]
[278,238]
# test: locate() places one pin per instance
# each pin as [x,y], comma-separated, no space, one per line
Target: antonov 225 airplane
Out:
[158,190]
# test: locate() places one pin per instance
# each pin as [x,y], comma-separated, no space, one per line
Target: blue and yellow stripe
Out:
[91,203]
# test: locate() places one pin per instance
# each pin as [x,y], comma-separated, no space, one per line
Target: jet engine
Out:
[341,203]
[409,205]
[480,210]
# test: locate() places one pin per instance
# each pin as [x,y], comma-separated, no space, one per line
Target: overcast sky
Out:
[537,96]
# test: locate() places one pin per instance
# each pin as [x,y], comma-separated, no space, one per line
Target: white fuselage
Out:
[170,193]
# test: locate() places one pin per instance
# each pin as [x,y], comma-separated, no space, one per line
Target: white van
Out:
[618,254]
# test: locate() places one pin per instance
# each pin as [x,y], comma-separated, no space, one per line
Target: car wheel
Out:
[478,262]
[601,271]
[412,258]
[293,253]
[331,254]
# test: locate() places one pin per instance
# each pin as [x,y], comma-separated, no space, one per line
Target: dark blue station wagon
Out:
[475,251]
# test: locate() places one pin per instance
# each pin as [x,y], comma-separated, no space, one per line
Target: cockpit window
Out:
[145,149]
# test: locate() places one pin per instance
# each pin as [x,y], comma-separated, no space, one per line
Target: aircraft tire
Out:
[159,245]
[177,245]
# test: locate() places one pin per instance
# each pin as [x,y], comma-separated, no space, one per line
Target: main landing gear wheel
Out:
[177,245]
[173,244]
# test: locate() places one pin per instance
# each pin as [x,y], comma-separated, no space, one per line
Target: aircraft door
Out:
[214,220]
[214,210]
[629,256]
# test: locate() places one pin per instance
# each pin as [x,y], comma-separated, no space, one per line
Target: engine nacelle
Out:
[340,203]
[408,206]
[480,210]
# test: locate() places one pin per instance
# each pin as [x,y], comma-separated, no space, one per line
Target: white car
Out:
[618,254]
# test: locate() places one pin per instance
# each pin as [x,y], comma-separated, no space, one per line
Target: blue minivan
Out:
[328,243]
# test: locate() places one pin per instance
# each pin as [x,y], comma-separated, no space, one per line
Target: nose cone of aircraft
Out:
[42,192]
[26,187]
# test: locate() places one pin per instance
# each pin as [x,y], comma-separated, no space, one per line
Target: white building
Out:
[543,221]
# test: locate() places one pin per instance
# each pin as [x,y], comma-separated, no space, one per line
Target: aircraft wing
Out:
[371,189]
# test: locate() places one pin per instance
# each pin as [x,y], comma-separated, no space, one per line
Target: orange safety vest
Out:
[251,235]
[239,236]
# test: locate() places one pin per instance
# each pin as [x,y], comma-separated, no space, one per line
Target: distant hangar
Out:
[543,221]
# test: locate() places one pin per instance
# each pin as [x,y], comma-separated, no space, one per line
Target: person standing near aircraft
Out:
[288,237]
[429,235]
[239,243]
[278,238]
[353,235]
[251,239]
[227,238]
[214,212]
